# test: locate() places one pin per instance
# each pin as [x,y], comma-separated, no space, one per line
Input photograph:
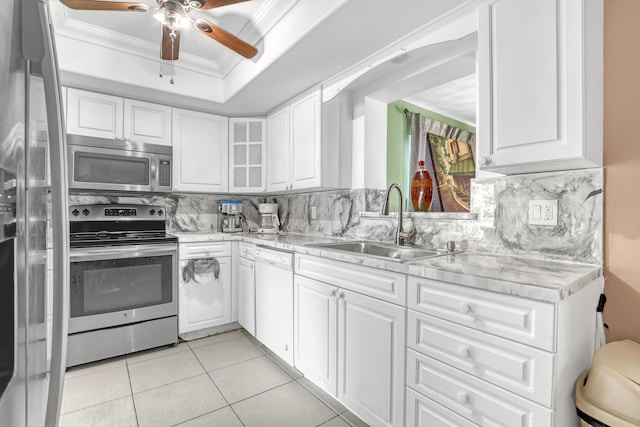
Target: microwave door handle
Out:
[153,179]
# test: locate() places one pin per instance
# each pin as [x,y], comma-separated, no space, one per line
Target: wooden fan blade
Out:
[211,4]
[225,38]
[105,5]
[169,53]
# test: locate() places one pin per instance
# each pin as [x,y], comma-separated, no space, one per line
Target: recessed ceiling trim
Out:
[460,21]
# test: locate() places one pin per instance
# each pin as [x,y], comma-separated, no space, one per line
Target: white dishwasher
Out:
[274,301]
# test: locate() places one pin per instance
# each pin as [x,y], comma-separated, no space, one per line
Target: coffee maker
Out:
[230,216]
[269,222]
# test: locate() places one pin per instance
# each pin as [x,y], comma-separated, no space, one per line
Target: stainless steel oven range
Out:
[123,281]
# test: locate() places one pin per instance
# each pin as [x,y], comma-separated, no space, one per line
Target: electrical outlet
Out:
[314,212]
[543,212]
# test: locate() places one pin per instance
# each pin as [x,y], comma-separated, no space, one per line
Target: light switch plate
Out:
[314,212]
[543,212]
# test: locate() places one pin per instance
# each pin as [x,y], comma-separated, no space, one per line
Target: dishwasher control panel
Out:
[280,259]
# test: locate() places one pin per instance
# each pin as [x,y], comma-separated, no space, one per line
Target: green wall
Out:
[398,142]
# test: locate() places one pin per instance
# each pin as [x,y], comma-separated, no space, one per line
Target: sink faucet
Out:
[401,236]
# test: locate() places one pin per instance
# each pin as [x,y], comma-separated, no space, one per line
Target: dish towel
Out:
[201,270]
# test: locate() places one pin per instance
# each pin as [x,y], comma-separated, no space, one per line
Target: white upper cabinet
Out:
[278,150]
[306,143]
[147,122]
[247,171]
[113,117]
[200,153]
[298,157]
[540,85]
[94,114]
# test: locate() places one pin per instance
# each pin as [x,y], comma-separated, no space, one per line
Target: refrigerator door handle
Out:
[59,217]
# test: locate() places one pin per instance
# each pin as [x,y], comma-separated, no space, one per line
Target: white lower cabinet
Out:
[471,397]
[424,412]
[351,345]
[475,356]
[204,299]
[246,283]
[370,358]
[315,325]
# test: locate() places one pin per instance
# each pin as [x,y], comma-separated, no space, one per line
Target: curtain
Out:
[419,149]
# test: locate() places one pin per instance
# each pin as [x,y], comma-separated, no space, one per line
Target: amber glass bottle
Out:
[421,189]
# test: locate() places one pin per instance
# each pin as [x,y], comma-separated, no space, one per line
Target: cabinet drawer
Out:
[527,321]
[518,368]
[204,250]
[246,250]
[424,412]
[475,399]
[382,284]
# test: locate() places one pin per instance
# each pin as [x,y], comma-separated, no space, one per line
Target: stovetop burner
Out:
[117,225]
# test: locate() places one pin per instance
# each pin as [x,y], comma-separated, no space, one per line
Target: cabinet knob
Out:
[464,308]
[341,295]
[462,397]
[486,160]
[463,351]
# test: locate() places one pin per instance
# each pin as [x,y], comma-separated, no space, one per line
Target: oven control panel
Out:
[120,212]
[116,212]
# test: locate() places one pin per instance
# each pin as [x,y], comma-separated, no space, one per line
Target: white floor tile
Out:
[224,417]
[92,368]
[119,412]
[336,422]
[178,402]
[354,421]
[215,339]
[163,370]
[100,386]
[226,353]
[141,356]
[287,405]
[327,399]
[246,379]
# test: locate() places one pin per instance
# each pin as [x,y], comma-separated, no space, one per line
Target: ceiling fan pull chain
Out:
[160,58]
[173,39]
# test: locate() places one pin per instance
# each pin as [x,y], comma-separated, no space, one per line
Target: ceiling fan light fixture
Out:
[196,4]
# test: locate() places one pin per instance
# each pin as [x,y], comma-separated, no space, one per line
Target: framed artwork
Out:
[454,167]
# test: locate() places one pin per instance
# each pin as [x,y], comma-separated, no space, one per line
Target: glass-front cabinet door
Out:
[247,172]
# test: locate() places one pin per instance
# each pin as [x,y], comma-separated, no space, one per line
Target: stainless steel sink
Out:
[382,250]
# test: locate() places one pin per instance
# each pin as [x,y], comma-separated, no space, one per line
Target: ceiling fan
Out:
[176,15]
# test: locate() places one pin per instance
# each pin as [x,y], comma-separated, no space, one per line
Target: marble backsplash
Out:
[501,205]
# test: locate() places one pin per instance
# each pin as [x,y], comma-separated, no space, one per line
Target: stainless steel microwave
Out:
[116,165]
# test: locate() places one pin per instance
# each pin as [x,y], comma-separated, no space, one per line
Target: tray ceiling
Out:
[301,43]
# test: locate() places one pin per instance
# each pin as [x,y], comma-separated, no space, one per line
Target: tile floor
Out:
[223,380]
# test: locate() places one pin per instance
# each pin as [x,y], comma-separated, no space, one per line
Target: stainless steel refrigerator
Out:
[33,190]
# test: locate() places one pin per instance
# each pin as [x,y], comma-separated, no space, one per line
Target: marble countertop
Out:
[543,280]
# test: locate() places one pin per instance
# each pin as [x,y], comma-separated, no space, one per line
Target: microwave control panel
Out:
[164,173]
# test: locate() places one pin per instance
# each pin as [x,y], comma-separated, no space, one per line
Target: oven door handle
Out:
[116,252]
